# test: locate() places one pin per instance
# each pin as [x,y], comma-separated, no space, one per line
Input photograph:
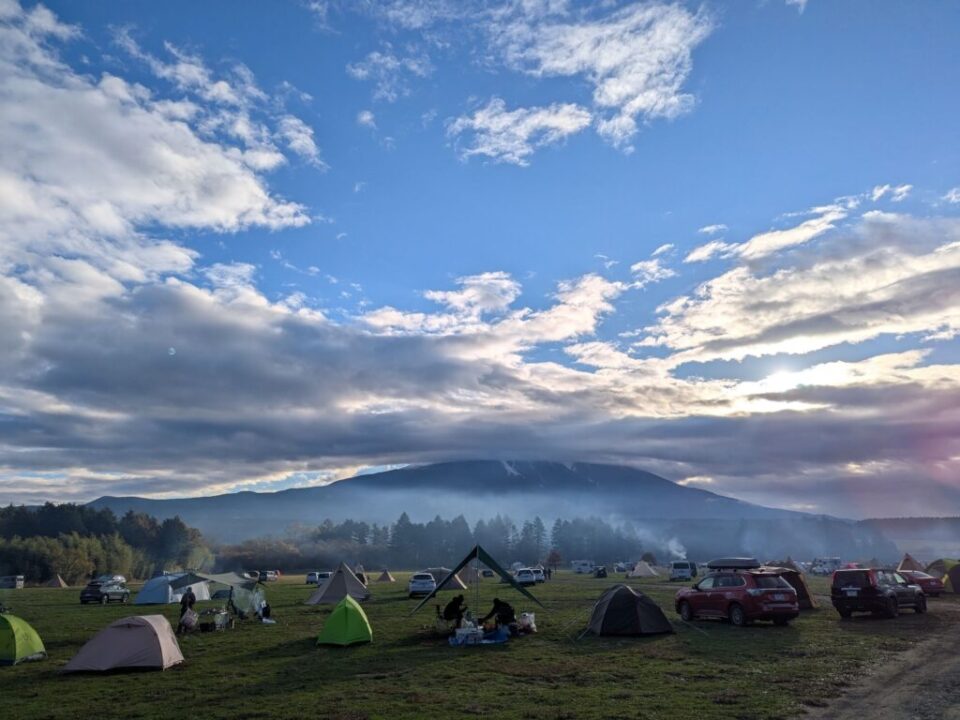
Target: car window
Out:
[852,579]
[706,584]
[900,579]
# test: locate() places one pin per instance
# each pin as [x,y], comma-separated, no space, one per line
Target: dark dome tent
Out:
[621,610]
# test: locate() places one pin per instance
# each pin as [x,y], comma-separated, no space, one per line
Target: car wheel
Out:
[686,612]
[104,599]
[921,606]
[845,614]
[737,616]
[892,610]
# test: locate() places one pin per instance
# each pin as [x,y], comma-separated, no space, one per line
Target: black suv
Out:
[877,591]
[101,592]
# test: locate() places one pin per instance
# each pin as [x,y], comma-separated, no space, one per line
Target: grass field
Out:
[705,670]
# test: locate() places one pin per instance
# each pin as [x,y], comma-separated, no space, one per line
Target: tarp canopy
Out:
[166,589]
[246,594]
[347,625]
[342,583]
[57,582]
[623,610]
[478,553]
[18,641]
[909,563]
[141,641]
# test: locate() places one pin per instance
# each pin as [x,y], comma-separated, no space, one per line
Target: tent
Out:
[951,580]
[939,568]
[470,575]
[57,582]
[446,580]
[140,641]
[166,589]
[642,570]
[805,598]
[246,594]
[335,588]
[478,555]
[18,641]
[385,576]
[347,625]
[622,610]
[908,563]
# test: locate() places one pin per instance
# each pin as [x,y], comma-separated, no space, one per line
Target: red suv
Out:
[740,593]
[931,586]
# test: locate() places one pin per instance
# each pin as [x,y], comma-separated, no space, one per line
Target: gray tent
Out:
[141,641]
[621,610]
[452,582]
[338,586]
[56,582]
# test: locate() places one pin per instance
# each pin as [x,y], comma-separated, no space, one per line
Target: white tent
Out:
[142,641]
[642,570]
[158,590]
[336,587]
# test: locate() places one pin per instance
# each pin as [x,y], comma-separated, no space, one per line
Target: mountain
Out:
[667,514]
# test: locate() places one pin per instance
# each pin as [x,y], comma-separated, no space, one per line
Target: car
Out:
[313,578]
[421,583]
[600,571]
[740,596]
[268,576]
[486,573]
[538,575]
[931,586]
[874,590]
[98,591]
[525,576]
[682,570]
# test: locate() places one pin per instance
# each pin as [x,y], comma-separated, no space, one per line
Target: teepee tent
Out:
[622,610]
[446,579]
[141,641]
[341,584]
[347,625]
[910,564]
[385,576]
[470,575]
[805,598]
[57,582]
[478,555]
[642,570]
[18,641]
[166,589]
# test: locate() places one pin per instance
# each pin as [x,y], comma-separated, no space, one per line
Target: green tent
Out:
[18,641]
[347,625]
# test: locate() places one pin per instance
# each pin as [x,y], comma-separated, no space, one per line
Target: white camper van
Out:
[683,570]
[582,566]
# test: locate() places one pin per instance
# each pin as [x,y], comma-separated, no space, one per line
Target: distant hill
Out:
[478,489]
[927,539]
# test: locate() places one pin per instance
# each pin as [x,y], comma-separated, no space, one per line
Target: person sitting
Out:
[502,613]
[454,611]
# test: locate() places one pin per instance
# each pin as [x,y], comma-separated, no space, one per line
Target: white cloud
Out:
[897,193]
[511,136]
[390,72]
[801,5]
[366,119]
[490,292]
[712,229]
[709,250]
[650,271]
[637,58]
[952,195]
[665,248]
[299,138]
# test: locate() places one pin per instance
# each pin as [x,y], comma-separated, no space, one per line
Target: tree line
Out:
[409,545]
[78,542]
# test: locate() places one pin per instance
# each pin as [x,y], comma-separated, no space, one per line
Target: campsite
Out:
[702,669]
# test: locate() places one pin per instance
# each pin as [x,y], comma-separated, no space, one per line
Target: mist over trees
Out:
[78,542]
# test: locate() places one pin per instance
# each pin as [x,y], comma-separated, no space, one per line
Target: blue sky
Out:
[351,234]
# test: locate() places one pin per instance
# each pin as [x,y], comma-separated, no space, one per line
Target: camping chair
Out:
[441,624]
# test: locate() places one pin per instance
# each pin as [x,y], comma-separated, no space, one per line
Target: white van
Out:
[683,570]
[582,566]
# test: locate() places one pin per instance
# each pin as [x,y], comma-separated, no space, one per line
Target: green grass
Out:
[706,670]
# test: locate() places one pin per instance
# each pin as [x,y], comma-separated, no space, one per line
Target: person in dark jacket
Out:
[187,601]
[502,612]
[455,610]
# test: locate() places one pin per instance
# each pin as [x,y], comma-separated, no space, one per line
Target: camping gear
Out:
[909,564]
[623,610]
[56,582]
[341,584]
[167,589]
[805,598]
[18,641]
[385,576]
[347,625]
[479,555]
[141,641]
[189,620]
[527,622]
[642,570]
[446,579]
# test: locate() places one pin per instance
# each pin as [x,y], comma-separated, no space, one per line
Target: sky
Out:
[251,246]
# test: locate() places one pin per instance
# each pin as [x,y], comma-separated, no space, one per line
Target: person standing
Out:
[187,601]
